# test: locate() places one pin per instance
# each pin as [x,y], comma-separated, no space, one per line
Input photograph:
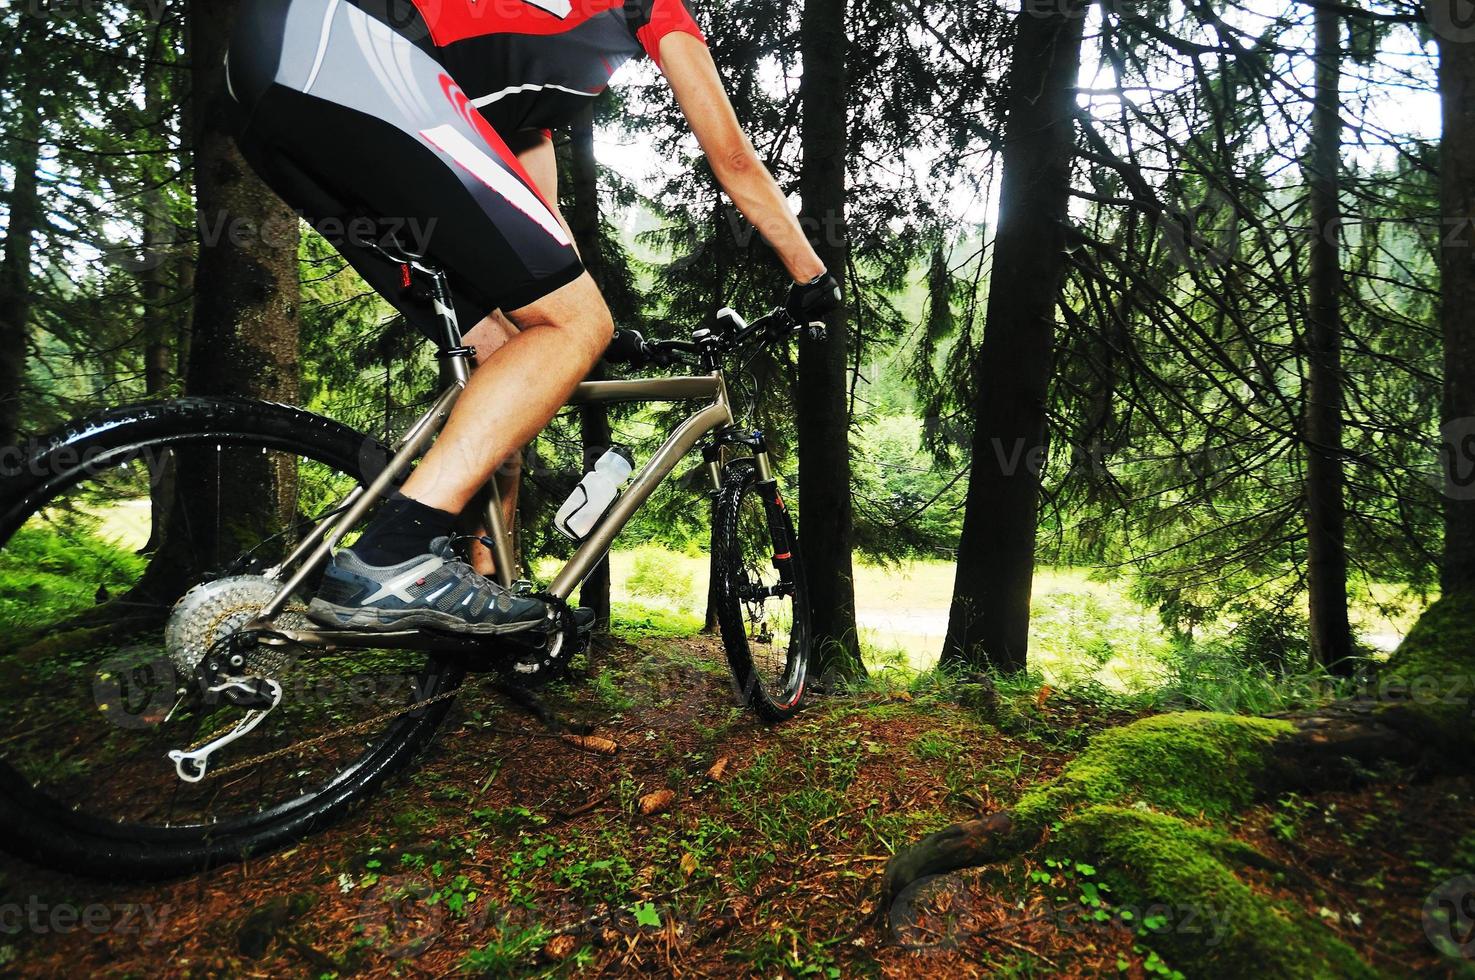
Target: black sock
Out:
[401,530]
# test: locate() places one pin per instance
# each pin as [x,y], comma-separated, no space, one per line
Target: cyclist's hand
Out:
[811,301]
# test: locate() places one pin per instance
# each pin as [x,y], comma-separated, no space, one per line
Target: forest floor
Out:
[509,852]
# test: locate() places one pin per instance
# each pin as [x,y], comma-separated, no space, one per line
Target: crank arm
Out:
[191,764]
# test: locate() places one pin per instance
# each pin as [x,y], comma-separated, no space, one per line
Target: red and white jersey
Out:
[534,64]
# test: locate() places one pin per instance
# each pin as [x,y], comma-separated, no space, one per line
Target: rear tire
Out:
[38,822]
[760,594]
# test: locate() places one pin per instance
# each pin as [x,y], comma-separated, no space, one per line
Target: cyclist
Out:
[439,110]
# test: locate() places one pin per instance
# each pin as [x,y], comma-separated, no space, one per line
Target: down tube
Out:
[659,467]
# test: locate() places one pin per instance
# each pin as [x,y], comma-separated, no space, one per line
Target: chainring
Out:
[209,613]
[534,666]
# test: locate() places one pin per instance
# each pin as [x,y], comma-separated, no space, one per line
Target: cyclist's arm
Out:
[698,88]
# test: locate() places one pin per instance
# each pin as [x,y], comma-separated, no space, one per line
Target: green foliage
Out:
[507,953]
[633,622]
[654,577]
[48,574]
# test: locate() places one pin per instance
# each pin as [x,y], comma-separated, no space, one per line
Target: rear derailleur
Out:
[224,676]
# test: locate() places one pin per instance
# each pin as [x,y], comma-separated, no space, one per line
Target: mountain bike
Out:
[168,704]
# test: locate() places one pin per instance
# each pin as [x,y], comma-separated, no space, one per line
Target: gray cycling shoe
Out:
[436,591]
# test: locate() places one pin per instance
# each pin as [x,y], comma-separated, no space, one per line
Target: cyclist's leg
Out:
[338,98]
[488,337]
[559,340]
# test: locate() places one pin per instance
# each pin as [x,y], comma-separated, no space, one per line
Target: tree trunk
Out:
[246,282]
[244,331]
[24,205]
[1457,316]
[159,328]
[594,429]
[825,507]
[1326,517]
[989,621]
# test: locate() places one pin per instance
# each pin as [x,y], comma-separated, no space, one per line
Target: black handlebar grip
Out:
[810,301]
[628,347]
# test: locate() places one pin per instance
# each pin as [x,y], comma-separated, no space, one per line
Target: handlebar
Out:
[709,344]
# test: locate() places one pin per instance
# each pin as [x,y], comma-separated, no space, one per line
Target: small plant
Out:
[505,955]
[1291,811]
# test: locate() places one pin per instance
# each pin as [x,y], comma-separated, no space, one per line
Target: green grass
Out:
[46,574]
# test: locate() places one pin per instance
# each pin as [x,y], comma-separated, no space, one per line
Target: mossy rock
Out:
[1124,805]
[1430,679]
[1213,924]
[1195,764]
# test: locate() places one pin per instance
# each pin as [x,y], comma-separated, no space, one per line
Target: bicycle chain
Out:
[357,728]
[547,668]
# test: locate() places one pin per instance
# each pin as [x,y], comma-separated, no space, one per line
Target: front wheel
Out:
[759,592]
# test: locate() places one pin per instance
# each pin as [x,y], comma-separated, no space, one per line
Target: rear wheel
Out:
[103,531]
[760,595]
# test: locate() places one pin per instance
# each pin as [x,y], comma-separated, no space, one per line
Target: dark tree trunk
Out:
[160,329]
[244,331]
[825,507]
[594,429]
[24,204]
[1326,517]
[989,620]
[1457,317]
[246,282]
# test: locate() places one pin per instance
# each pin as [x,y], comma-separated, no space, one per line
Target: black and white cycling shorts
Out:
[349,116]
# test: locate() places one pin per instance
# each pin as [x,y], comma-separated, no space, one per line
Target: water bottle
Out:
[595,494]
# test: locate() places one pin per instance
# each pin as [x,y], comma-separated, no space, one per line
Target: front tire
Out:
[760,594]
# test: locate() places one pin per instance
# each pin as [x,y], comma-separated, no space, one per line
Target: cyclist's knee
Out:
[577,311]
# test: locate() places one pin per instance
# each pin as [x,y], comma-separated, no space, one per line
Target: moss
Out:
[1205,921]
[1195,764]
[1121,806]
[1430,679]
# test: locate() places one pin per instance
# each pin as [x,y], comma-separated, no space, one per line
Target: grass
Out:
[1085,633]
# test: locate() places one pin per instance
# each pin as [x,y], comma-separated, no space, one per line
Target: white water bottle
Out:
[595,494]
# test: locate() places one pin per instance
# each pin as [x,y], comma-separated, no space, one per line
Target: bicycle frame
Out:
[317,547]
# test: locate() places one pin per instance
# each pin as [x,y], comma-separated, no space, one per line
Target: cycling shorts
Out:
[351,118]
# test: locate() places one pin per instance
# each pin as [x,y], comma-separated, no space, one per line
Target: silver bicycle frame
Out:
[317,547]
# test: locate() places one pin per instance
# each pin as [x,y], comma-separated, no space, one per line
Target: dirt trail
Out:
[511,853]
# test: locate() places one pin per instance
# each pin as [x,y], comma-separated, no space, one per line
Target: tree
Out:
[594,428]
[244,329]
[1326,514]
[821,406]
[989,619]
[1457,293]
[23,207]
